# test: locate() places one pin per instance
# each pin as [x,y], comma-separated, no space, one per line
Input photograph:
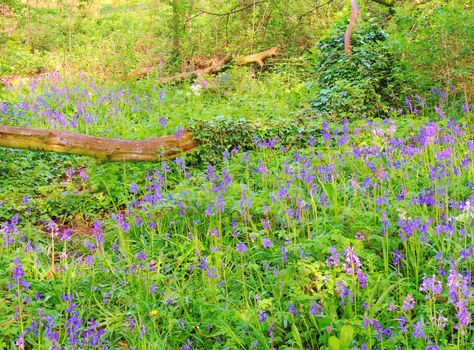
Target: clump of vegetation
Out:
[435,42]
[365,83]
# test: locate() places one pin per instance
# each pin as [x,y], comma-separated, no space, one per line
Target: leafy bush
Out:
[221,135]
[16,58]
[365,83]
[435,40]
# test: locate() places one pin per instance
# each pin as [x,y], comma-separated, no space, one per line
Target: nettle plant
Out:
[365,83]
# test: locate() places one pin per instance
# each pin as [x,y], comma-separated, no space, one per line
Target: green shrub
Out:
[435,40]
[222,135]
[16,58]
[366,83]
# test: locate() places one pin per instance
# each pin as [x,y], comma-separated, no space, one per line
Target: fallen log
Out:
[257,58]
[199,72]
[103,149]
[260,57]
[214,68]
[141,73]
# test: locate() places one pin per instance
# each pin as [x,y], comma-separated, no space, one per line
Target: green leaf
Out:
[334,343]
[347,334]
[296,336]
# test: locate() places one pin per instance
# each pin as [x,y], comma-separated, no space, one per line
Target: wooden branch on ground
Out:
[103,149]
[350,28]
[257,58]
[143,73]
[260,57]
[218,66]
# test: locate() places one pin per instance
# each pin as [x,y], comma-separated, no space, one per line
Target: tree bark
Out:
[103,149]
[28,24]
[176,29]
[350,28]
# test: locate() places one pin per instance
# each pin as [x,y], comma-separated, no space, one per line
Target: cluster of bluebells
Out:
[277,240]
[51,100]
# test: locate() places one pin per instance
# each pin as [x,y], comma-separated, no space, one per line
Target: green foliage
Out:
[365,83]
[435,40]
[138,107]
[49,30]
[167,269]
[334,343]
[36,174]
[16,58]
[221,134]
[346,336]
[169,35]
[233,111]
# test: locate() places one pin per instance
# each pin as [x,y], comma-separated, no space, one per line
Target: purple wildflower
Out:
[267,243]
[418,330]
[241,247]
[333,259]
[189,345]
[431,285]
[352,263]
[292,310]
[408,303]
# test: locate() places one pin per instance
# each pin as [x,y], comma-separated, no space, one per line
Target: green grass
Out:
[184,254]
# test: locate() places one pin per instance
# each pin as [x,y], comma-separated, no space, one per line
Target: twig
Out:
[218,14]
[234,10]
[314,9]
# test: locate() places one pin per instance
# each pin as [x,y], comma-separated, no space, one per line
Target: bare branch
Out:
[234,10]
[384,2]
[315,8]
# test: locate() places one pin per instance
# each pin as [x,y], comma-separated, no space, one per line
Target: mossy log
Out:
[103,149]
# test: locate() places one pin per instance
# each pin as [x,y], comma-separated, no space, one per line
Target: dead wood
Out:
[220,65]
[260,57]
[103,149]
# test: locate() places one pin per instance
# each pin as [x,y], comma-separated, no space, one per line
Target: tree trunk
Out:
[28,24]
[347,37]
[103,149]
[176,23]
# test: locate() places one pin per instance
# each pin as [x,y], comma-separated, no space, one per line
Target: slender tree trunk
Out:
[350,28]
[28,24]
[70,23]
[176,28]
